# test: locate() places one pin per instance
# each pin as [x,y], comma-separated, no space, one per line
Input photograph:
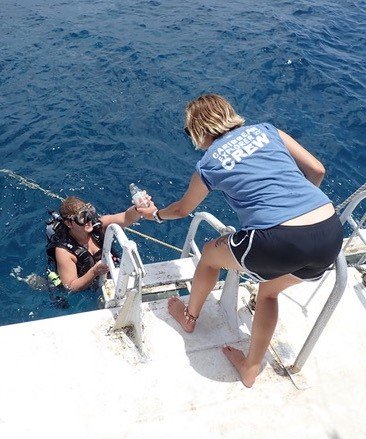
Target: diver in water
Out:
[76,237]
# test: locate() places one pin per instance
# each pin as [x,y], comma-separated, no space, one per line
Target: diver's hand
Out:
[99,268]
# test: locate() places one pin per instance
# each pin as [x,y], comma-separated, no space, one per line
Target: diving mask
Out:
[85,215]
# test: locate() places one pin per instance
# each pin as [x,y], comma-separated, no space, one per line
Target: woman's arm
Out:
[124,219]
[66,268]
[313,170]
[197,191]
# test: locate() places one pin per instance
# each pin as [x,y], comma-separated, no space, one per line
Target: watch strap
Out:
[156,216]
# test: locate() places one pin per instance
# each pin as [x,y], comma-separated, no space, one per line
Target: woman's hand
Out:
[195,194]
[147,212]
[99,268]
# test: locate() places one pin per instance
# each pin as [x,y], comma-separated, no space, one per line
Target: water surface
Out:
[93,93]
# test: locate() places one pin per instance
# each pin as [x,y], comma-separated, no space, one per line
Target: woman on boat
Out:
[289,231]
[77,241]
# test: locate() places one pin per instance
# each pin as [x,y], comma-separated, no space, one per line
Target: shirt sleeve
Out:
[204,178]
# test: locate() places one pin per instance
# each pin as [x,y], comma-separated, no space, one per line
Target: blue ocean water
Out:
[93,93]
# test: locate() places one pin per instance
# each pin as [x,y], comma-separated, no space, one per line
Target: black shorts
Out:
[304,251]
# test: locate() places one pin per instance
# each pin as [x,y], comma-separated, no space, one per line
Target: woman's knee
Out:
[215,247]
[271,289]
[268,293]
[208,252]
[217,254]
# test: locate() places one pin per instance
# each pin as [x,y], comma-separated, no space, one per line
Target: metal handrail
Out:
[339,285]
[229,295]
[190,244]
[130,263]
[346,216]
[325,314]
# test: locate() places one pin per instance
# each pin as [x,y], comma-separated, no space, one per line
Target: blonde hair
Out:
[71,206]
[210,114]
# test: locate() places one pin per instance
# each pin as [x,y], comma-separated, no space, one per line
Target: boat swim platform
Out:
[71,377]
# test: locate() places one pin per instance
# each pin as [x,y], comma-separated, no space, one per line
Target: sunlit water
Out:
[93,93]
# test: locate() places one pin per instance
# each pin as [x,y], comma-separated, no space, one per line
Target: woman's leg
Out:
[215,255]
[264,324]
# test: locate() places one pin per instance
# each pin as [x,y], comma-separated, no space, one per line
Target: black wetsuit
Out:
[85,260]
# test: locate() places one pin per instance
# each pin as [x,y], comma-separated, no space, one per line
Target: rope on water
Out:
[32,185]
[351,197]
[151,238]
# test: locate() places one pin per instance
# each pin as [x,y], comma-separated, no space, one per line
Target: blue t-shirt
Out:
[258,177]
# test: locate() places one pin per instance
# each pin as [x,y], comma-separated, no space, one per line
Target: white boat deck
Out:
[69,377]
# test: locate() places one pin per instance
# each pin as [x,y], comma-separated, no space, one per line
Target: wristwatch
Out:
[157,217]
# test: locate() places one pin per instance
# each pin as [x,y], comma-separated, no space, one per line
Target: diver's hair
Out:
[210,114]
[71,206]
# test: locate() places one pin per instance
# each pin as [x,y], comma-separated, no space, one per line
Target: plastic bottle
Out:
[138,197]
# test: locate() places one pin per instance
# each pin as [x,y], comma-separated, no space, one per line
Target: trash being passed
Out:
[139,197]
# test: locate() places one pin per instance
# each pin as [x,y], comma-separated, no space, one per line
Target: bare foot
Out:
[176,309]
[239,361]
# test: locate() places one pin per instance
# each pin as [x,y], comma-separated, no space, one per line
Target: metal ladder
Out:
[340,280]
[131,279]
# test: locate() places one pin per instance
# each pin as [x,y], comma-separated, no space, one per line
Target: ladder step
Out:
[169,272]
[160,276]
